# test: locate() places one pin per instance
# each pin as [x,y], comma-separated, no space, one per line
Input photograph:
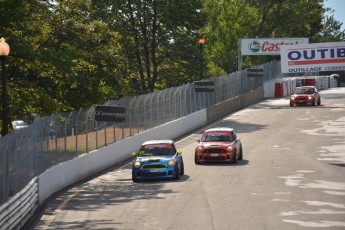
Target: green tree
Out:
[81,54]
[158,39]
[288,18]
[227,21]
[60,58]
[331,30]
[20,27]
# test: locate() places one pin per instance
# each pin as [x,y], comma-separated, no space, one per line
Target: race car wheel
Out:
[177,173]
[234,160]
[319,102]
[314,102]
[291,104]
[240,157]
[197,162]
[134,178]
[182,169]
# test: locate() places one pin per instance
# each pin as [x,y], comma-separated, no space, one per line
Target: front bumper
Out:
[153,173]
[214,157]
[302,101]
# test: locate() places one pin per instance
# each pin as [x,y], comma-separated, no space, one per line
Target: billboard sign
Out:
[110,113]
[268,46]
[204,86]
[313,57]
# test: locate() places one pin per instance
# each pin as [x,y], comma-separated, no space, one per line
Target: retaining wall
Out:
[229,106]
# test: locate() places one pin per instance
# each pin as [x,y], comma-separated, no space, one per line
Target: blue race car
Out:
[157,159]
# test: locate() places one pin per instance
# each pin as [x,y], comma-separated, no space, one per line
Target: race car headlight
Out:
[293,98]
[230,148]
[309,97]
[171,163]
[137,164]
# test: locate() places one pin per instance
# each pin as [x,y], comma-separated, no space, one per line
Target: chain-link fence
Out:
[48,141]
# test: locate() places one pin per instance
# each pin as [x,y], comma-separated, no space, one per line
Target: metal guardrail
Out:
[17,210]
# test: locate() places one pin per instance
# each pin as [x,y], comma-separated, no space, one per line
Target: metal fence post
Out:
[105,133]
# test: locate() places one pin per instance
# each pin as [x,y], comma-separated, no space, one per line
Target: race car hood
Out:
[154,159]
[301,95]
[216,144]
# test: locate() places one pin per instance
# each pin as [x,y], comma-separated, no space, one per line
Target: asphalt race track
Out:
[292,177]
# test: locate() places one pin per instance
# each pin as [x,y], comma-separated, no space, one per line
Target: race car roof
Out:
[305,87]
[153,142]
[219,129]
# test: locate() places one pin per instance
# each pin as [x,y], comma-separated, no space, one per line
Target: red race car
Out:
[218,145]
[305,95]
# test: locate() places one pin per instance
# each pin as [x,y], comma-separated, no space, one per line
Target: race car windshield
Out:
[215,138]
[157,152]
[304,91]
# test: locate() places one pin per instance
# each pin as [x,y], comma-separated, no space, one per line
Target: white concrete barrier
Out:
[269,88]
[286,86]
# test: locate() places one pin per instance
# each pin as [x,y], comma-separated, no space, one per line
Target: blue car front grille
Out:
[154,174]
[153,166]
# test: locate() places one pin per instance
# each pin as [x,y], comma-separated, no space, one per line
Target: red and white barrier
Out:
[286,86]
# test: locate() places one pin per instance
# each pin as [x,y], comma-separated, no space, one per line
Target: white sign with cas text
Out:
[313,57]
[268,46]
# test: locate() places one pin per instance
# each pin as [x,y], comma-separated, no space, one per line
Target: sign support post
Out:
[239,58]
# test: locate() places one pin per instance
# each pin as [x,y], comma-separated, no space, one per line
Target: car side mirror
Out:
[134,154]
[179,152]
[197,140]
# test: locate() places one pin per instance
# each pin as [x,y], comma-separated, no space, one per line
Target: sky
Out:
[339,7]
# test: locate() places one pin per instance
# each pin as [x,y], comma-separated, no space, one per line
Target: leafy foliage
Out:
[331,30]
[228,21]
[157,39]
